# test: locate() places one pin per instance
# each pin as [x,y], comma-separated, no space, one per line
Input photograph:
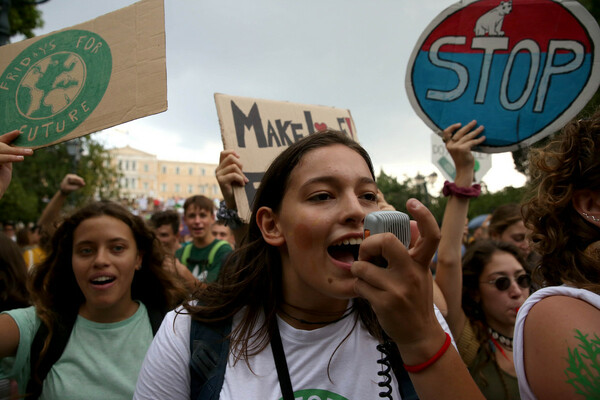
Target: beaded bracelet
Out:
[420,367]
[450,188]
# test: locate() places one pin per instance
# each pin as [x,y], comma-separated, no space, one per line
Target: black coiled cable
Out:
[386,384]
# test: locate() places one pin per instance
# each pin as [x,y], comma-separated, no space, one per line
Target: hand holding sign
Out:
[229,173]
[459,142]
[8,155]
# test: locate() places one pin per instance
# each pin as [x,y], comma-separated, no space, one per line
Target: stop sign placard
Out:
[521,68]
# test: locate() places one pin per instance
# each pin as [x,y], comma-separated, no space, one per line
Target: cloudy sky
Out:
[343,53]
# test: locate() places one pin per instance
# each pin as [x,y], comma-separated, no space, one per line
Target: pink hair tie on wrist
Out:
[450,189]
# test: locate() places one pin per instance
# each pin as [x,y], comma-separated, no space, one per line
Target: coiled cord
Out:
[386,384]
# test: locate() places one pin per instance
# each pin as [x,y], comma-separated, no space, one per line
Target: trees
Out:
[36,179]
[397,193]
[19,17]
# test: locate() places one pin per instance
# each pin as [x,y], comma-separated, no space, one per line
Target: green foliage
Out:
[583,372]
[397,193]
[38,178]
[24,18]
[486,203]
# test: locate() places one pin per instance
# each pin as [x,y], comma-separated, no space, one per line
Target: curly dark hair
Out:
[54,289]
[570,162]
[251,278]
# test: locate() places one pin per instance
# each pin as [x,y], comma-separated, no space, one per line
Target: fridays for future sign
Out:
[85,78]
[522,68]
[258,130]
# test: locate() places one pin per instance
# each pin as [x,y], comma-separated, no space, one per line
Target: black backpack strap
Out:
[60,338]
[156,316]
[407,390]
[209,347]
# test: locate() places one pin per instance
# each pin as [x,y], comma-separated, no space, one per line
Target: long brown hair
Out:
[477,256]
[55,292]
[560,234]
[251,279]
[13,276]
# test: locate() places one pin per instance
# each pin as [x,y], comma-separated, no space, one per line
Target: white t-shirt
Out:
[582,294]
[352,369]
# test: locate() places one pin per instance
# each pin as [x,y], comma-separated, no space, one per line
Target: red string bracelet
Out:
[450,188]
[432,360]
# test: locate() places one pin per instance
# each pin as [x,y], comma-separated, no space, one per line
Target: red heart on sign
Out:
[320,127]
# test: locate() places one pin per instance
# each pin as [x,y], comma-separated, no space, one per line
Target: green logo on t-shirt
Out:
[316,394]
[54,85]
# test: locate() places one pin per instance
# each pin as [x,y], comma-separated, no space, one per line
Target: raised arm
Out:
[9,155]
[229,174]
[69,184]
[459,142]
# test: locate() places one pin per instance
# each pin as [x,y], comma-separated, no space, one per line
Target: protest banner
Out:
[258,130]
[442,159]
[521,68]
[85,78]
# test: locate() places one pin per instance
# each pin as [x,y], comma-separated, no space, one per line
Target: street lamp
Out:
[422,182]
[74,151]
[432,178]
[422,186]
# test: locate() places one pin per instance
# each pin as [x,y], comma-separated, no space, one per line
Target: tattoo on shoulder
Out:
[583,372]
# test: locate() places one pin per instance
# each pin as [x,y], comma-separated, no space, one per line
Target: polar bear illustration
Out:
[491,21]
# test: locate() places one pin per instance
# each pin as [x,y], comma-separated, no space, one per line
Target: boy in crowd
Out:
[166,226]
[223,232]
[205,254]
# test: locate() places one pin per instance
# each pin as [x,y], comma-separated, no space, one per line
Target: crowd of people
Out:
[297,302]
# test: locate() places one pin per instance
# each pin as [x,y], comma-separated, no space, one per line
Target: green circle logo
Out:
[54,85]
[316,394]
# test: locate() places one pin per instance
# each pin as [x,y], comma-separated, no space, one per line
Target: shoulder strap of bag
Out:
[57,345]
[187,250]
[213,251]
[209,348]
[156,316]
[407,390]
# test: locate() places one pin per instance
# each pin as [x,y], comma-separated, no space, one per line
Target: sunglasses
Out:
[503,283]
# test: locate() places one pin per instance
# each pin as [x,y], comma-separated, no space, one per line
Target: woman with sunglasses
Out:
[557,329]
[484,292]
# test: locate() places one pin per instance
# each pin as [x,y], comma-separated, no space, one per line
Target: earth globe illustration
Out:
[51,85]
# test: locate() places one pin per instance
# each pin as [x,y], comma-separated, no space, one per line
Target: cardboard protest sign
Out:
[85,78]
[522,68]
[442,159]
[258,130]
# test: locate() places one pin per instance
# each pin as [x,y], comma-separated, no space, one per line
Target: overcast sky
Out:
[343,53]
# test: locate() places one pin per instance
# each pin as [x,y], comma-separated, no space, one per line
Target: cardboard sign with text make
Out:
[258,130]
[86,78]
